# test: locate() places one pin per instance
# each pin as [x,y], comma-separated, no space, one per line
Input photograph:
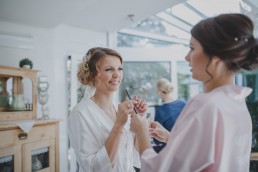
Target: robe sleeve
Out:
[191,146]
[84,137]
[136,158]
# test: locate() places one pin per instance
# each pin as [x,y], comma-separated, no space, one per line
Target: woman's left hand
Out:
[139,126]
[138,123]
[157,131]
[140,105]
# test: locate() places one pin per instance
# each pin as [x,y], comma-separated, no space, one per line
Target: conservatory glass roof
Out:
[172,26]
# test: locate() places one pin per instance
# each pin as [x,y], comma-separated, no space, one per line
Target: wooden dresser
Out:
[19,150]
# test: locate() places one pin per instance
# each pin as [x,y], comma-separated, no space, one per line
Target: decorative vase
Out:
[26,66]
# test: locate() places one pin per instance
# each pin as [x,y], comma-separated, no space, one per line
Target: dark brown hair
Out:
[88,69]
[230,37]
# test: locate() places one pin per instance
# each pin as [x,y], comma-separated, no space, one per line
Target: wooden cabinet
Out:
[37,150]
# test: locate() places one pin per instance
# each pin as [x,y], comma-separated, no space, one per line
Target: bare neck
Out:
[105,101]
[218,82]
[168,99]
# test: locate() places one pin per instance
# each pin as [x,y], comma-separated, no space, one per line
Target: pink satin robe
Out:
[212,133]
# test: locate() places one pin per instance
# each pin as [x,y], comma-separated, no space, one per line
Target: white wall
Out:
[49,52]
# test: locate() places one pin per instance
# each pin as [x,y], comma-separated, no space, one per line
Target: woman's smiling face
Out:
[198,61]
[110,74]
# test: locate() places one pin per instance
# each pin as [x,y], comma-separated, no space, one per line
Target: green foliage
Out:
[252,104]
[26,61]
[80,93]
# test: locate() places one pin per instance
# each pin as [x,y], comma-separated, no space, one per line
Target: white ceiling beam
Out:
[174,21]
[186,4]
[155,36]
[254,2]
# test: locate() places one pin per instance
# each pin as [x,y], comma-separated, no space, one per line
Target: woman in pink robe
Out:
[214,130]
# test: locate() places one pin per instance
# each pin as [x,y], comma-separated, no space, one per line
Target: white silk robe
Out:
[212,134]
[88,129]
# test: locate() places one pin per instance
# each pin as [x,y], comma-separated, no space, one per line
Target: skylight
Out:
[176,22]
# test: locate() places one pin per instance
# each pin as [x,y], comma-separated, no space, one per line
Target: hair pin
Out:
[244,39]
[87,57]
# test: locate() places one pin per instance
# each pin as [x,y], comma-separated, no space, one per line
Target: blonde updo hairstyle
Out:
[165,86]
[88,68]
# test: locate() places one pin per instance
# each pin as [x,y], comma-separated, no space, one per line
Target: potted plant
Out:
[26,63]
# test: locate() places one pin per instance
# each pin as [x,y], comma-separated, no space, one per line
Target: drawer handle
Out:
[22,136]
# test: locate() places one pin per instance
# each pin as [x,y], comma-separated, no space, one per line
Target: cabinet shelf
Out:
[16,76]
[6,159]
[39,151]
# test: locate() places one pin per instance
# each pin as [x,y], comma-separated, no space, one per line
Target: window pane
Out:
[187,87]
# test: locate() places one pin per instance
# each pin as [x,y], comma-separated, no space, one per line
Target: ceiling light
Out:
[131,17]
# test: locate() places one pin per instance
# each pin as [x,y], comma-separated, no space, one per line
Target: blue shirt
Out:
[166,115]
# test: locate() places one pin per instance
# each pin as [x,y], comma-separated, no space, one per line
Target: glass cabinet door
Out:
[39,156]
[10,159]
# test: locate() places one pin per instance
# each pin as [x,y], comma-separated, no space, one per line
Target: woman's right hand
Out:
[124,109]
[157,131]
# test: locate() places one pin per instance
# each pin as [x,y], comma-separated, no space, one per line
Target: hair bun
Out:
[255,47]
[252,58]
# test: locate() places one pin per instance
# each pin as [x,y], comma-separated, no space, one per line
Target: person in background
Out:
[98,128]
[167,113]
[214,131]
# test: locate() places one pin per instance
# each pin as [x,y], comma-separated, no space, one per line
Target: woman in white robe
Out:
[214,131]
[98,129]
